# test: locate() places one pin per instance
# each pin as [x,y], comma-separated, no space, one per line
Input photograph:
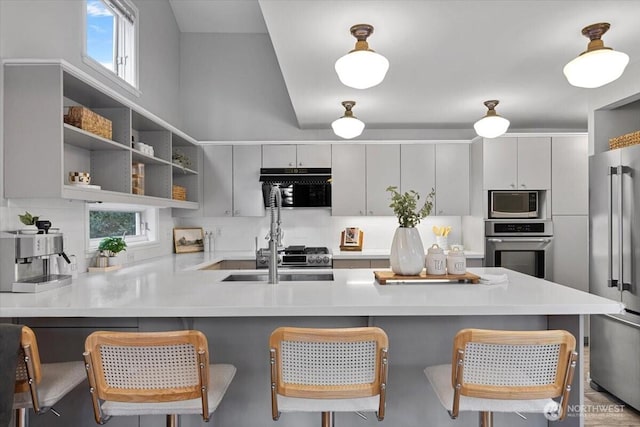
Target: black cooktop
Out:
[300,249]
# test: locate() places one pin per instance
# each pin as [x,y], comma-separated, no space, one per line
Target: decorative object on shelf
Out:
[178,192]
[351,239]
[348,126]
[389,277]
[144,148]
[625,140]
[491,125]
[29,222]
[180,159]
[80,178]
[137,178]
[407,251]
[598,65]
[111,247]
[189,239]
[86,119]
[362,68]
[442,235]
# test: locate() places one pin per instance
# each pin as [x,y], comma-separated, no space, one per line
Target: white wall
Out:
[316,227]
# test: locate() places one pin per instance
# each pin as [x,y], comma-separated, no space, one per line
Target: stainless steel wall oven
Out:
[523,246]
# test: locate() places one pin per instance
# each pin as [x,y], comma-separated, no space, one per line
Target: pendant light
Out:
[491,125]
[348,126]
[362,68]
[598,65]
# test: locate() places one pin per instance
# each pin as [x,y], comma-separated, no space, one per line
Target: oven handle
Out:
[516,239]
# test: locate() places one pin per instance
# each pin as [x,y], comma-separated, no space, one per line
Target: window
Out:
[111,41]
[137,224]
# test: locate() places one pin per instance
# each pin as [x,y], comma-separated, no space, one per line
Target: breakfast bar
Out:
[237,317]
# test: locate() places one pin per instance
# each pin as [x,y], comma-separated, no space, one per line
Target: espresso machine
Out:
[27,262]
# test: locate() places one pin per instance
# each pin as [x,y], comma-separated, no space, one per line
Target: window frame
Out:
[116,6]
[148,215]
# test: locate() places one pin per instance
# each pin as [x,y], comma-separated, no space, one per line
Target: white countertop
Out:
[171,287]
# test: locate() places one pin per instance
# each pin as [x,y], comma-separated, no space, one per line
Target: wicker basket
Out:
[86,119]
[179,193]
[625,140]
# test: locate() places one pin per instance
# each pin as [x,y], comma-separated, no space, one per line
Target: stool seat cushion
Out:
[299,404]
[57,380]
[440,378]
[220,376]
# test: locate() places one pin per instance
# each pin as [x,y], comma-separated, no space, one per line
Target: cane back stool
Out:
[328,371]
[153,373]
[507,371]
[41,385]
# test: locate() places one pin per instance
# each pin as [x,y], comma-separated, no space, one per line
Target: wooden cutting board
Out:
[389,276]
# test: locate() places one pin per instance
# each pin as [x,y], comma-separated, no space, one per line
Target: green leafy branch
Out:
[405,206]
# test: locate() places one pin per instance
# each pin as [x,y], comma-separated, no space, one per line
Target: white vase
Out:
[115,260]
[407,252]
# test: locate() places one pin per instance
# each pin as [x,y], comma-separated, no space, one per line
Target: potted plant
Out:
[407,251]
[111,247]
[30,223]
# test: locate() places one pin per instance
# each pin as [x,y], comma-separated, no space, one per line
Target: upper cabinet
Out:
[231,181]
[522,163]
[135,164]
[301,156]
[452,179]
[383,170]
[348,188]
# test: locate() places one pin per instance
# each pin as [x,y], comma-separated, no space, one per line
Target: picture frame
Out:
[188,239]
[351,239]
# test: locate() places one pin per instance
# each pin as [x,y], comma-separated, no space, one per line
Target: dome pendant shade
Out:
[491,125]
[598,65]
[348,126]
[362,68]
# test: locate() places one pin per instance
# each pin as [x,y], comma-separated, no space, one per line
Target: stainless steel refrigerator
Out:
[614,271]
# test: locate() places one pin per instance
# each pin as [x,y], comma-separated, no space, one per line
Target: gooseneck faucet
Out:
[275,232]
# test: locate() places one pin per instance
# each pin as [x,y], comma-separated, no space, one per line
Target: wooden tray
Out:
[389,276]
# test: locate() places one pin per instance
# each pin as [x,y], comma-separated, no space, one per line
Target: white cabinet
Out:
[522,163]
[302,155]
[452,179]
[231,186]
[443,167]
[571,251]
[361,175]
[383,170]
[38,144]
[570,175]
[348,189]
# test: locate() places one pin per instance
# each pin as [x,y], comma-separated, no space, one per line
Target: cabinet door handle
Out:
[370,212]
[227,212]
[300,164]
[512,185]
[523,186]
[361,213]
[290,163]
[236,212]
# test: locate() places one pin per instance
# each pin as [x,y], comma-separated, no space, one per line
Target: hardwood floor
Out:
[602,409]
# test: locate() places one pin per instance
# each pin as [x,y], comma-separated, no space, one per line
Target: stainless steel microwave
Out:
[513,204]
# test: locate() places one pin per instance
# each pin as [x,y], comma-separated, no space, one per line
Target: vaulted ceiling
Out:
[446,57]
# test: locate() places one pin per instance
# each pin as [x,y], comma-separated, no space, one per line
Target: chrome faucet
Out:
[275,232]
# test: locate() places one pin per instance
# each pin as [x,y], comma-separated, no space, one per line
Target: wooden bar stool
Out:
[40,386]
[153,373]
[328,370]
[506,371]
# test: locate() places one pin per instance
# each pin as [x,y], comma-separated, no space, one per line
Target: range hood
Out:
[295,175]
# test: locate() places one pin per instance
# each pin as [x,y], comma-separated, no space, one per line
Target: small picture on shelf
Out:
[188,239]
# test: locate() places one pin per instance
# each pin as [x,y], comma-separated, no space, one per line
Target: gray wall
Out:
[53,29]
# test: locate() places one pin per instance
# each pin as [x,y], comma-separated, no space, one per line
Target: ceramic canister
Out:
[456,262]
[436,261]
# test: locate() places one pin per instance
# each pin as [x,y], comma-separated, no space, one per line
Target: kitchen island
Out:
[237,317]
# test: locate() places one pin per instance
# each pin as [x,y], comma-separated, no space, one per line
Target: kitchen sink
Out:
[282,277]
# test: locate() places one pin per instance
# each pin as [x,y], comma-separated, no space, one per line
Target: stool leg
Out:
[327,419]
[172,420]
[486,419]
[20,417]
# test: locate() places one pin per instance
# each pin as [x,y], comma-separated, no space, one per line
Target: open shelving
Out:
[40,147]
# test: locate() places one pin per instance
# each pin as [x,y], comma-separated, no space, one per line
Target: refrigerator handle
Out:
[611,282]
[621,285]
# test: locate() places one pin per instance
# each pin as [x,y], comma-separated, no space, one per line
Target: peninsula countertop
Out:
[172,286]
